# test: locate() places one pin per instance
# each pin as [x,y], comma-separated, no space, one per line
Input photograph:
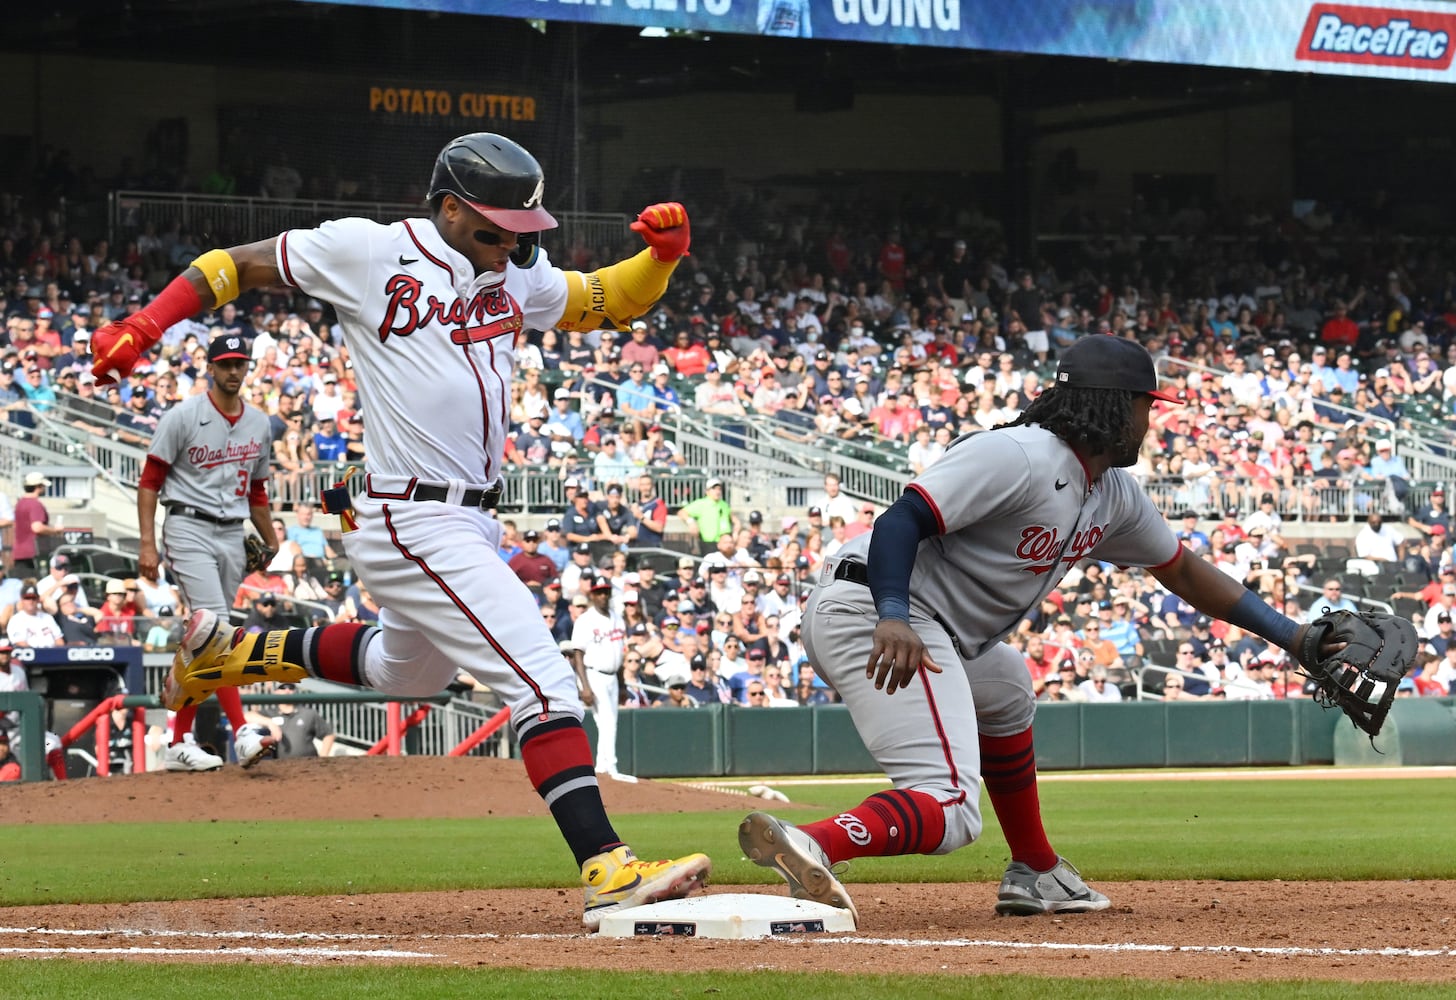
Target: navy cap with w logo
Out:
[228,346]
[1102,361]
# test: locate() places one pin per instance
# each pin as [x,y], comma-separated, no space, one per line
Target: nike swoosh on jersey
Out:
[407,261]
[203,423]
[1061,484]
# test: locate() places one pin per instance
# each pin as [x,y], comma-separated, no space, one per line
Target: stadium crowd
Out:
[1304,350]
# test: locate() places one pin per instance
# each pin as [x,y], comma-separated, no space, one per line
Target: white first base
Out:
[727,915]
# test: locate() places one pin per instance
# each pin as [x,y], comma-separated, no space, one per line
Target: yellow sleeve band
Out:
[616,294]
[221,273]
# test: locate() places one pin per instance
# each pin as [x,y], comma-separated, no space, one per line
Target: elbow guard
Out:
[614,295]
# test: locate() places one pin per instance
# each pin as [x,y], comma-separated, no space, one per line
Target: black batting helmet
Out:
[496,177]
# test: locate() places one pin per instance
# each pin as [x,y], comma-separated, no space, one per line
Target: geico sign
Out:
[74,654]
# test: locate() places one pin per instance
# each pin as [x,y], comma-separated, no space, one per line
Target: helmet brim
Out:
[515,220]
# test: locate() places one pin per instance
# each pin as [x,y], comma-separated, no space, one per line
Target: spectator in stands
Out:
[1332,598]
[264,614]
[118,620]
[1377,542]
[77,623]
[32,523]
[1255,683]
[1097,688]
[529,565]
[710,515]
[300,583]
[1390,471]
[54,582]
[1104,651]
[138,422]
[1433,514]
[29,624]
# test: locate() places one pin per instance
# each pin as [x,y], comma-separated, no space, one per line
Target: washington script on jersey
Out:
[210,458]
[1040,545]
[489,314]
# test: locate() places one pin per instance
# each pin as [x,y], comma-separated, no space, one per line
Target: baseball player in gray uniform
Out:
[208,466]
[431,309]
[917,608]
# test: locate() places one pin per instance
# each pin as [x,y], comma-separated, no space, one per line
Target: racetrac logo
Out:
[1375,36]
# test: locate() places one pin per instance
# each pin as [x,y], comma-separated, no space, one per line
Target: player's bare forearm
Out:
[261,517]
[257,266]
[147,531]
[1211,591]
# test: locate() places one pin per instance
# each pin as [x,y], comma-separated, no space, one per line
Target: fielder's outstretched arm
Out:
[214,279]
[1221,596]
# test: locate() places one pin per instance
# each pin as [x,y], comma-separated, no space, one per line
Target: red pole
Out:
[393,727]
[415,718]
[139,740]
[486,730]
[103,745]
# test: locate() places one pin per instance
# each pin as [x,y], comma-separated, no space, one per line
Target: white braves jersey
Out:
[433,347]
[1016,512]
[212,458]
[600,638]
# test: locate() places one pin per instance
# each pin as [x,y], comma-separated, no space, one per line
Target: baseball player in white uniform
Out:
[917,608]
[208,467]
[431,309]
[598,639]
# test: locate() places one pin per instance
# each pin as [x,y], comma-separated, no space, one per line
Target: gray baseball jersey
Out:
[212,459]
[1016,511]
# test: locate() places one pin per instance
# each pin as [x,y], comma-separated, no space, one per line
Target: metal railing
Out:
[226,219]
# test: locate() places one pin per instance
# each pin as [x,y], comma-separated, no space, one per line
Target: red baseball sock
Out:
[1008,770]
[899,821]
[231,700]
[335,654]
[182,724]
[558,761]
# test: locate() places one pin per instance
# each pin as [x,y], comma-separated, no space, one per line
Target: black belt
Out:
[857,573]
[484,499]
[202,515]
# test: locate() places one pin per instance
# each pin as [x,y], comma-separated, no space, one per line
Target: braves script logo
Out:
[1376,36]
[210,458]
[1044,546]
[491,313]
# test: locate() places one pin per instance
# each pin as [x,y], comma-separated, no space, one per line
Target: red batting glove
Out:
[665,228]
[117,348]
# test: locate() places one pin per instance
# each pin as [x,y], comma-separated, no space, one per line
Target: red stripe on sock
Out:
[901,821]
[1010,782]
[231,700]
[548,754]
[335,653]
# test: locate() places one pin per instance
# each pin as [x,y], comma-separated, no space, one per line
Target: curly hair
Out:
[1097,420]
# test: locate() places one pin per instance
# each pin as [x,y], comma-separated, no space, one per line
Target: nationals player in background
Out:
[917,608]
[208,465]
[431,309]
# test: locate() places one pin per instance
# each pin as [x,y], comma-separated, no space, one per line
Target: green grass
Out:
[69,980]
[1119,830]
[1348,829]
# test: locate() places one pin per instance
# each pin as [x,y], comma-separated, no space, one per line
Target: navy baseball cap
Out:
[230,346]
[1101,361]
[601,583]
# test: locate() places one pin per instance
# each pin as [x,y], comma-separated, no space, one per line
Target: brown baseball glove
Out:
[256,555]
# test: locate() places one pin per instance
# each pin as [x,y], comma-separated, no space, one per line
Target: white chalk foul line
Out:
[1132,946]
[245,952]
[1125,946]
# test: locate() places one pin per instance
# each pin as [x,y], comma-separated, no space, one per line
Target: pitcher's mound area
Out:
[334,788]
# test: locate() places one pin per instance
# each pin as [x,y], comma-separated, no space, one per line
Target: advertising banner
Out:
[1410,41]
